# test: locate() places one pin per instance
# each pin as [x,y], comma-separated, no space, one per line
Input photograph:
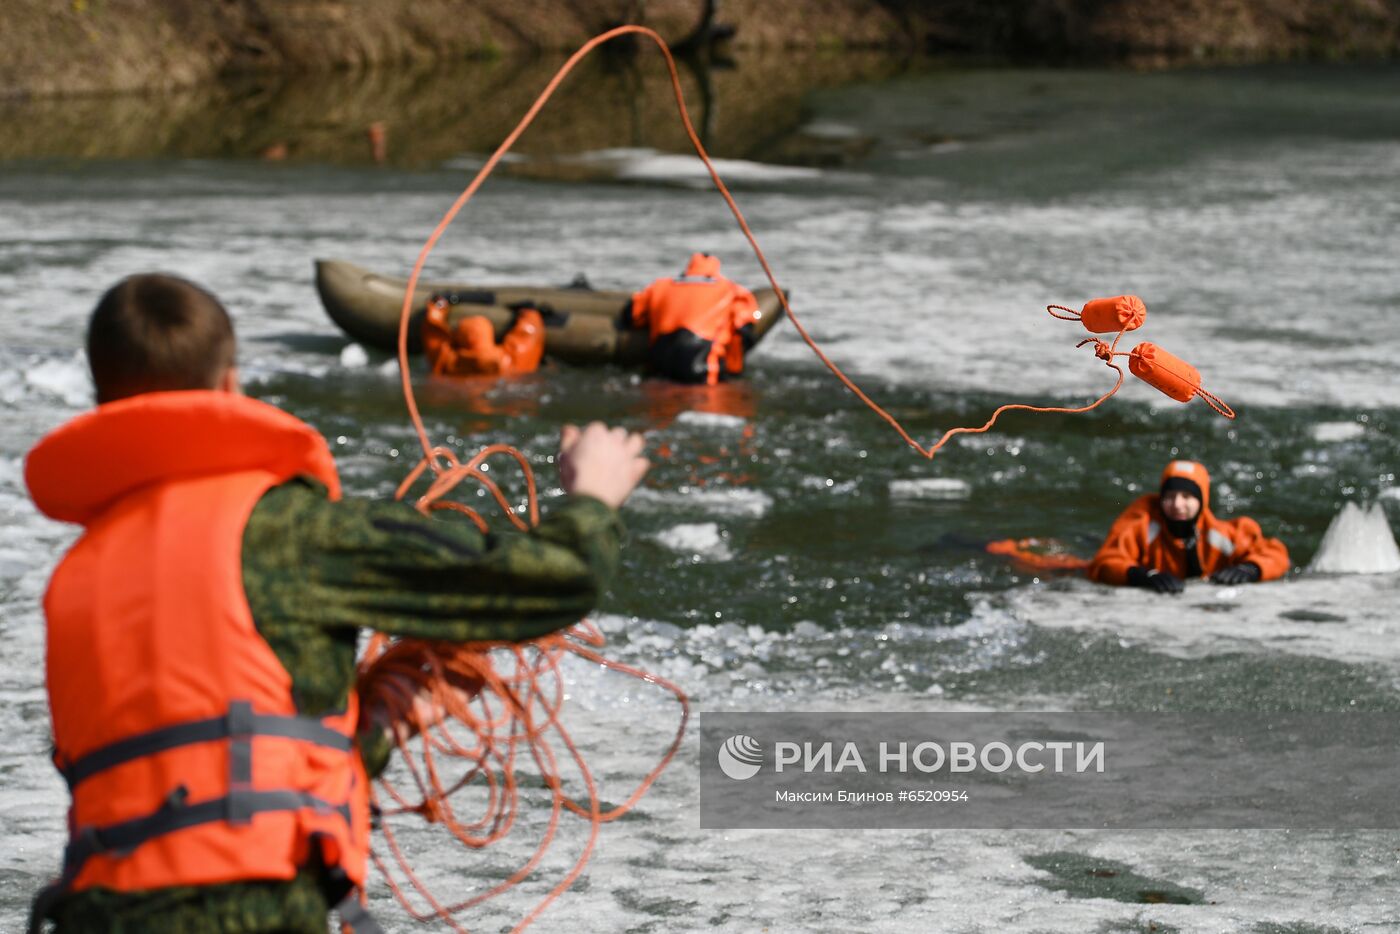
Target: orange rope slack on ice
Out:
[492,706]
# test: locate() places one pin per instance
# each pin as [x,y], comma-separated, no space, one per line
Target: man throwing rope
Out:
[202,631]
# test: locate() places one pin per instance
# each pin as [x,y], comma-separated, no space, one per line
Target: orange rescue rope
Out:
[507,712]
[1159,375]
[491,714]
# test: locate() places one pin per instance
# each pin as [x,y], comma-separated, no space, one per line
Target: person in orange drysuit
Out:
[470,348]
[700,322]
[1164,538]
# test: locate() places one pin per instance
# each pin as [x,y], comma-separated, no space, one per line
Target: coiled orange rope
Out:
[492,716]
[488,706]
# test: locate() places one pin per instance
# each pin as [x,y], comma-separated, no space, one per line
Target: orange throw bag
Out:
[1168,372]
[1109,315]
[1172,375]
[1106,315]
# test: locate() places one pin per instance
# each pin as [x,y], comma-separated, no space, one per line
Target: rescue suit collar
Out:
[1183,529]
[81,468]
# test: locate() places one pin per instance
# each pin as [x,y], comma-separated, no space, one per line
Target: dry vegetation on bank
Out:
[101,46]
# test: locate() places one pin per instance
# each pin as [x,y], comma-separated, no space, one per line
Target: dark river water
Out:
[787,551]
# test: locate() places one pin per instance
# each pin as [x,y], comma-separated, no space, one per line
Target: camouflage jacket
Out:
[318,572]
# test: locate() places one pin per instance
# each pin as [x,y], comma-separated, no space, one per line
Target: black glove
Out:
[1152,579]
[1246,572]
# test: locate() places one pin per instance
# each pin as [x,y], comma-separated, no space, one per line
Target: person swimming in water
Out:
[1166,538]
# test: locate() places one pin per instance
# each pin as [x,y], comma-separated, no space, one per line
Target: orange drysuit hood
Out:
[703,264]
[1197,474]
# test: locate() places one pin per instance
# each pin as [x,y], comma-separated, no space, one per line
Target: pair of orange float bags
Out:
[1165,371]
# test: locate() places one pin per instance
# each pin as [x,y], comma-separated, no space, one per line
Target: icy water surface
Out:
[787,552]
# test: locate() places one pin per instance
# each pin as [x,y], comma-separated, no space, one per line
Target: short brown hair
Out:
[152,333]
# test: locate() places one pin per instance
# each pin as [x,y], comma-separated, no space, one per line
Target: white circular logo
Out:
[740,757]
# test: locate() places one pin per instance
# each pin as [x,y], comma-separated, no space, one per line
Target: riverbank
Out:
[108,46]
[428,115]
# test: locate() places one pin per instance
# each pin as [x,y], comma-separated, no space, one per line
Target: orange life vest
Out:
[173,721]
[470,349]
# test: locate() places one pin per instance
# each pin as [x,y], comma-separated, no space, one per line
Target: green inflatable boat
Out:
[581,323]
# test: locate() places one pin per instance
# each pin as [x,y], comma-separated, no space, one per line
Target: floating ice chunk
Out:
[13,562]
[354,356]
[829,129]
[1332,432]
[983,442]
[711,420]
[829,484]
[66,378]
[11,386]
[701,540]
[12,472]
[471,161]
[930,488]
[729,502]
[389,367]
[678,169]
[1357,542]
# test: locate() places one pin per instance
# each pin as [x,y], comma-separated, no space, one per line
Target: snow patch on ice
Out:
[1332,432]
[830,129]
[711,420]
[651,166]
[752,504]
[1344,619]
[64,377]
[703,541]
[353,356]
[930,488]
[12,472]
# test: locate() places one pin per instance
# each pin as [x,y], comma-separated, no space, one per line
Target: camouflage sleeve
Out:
[380,565]
[315,572]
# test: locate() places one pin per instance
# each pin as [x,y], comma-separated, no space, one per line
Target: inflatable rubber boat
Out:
[582,324]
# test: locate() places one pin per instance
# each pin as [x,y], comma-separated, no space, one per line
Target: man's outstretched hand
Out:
[602,462]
